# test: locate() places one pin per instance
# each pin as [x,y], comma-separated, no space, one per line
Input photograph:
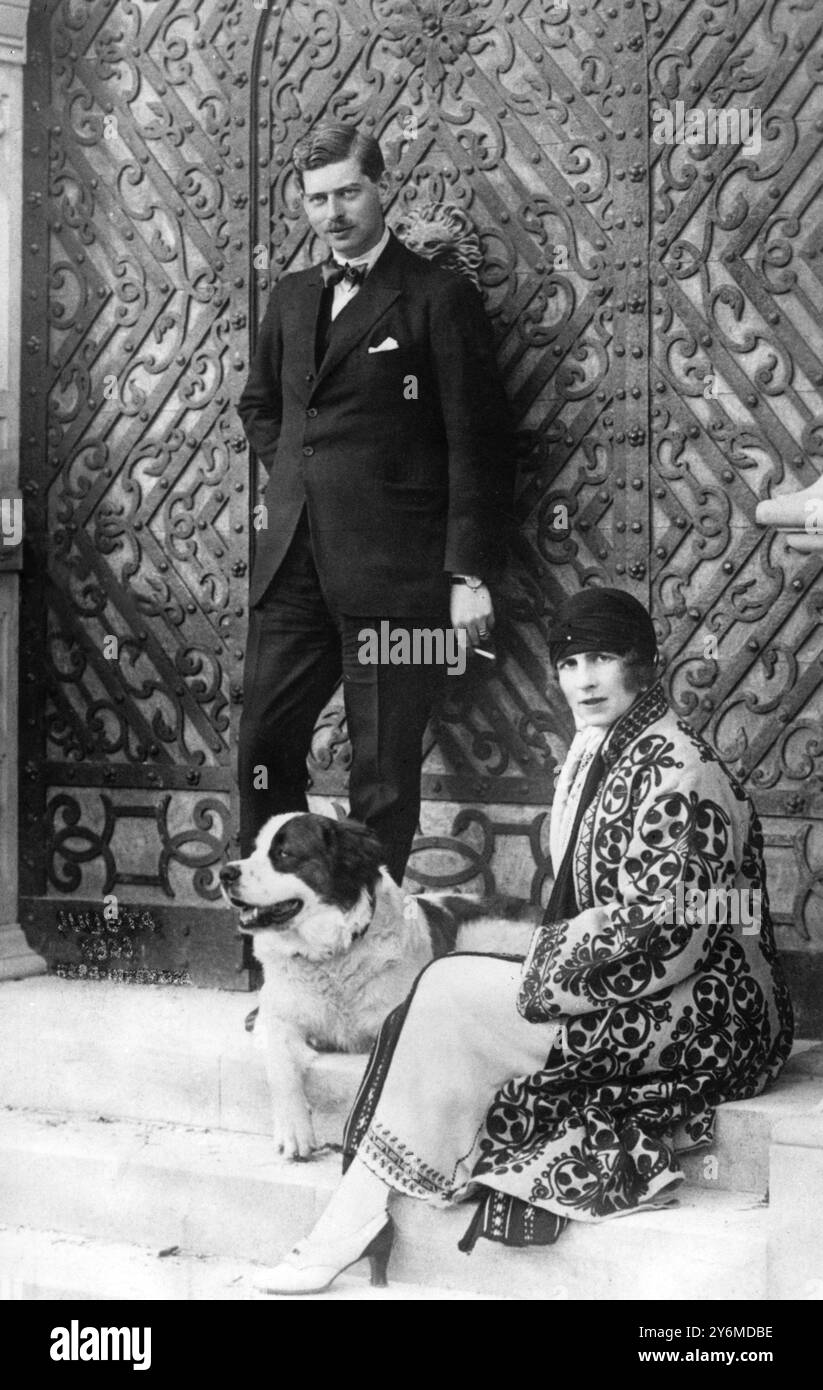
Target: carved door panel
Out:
[160,203]
[133,607]
[737,372]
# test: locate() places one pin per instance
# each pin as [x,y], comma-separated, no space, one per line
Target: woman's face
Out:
[594,684]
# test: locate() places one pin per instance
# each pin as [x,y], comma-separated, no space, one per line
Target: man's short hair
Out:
[331,144]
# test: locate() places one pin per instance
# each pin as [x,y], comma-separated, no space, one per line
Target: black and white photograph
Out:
[411,662]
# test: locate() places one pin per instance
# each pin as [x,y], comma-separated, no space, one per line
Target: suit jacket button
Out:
[308,451]
[311,412]
[309,376]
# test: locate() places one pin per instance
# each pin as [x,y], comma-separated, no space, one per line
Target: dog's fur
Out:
[341,945]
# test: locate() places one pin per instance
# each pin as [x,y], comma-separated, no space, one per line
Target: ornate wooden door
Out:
[618,274]
[737,414]
[137,480]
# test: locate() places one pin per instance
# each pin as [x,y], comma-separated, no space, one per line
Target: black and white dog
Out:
[341,945]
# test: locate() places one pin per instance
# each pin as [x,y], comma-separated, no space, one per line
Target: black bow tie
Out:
[333,273]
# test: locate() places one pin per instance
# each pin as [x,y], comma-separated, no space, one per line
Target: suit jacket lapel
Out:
[380,288]
[308,308]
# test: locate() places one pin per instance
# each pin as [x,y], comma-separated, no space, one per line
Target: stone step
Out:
[221,1194]
[176,1055]
[796,1202]
[709,1246]
[212,1192]
[182,1056]
[738,1160]
[40,1265]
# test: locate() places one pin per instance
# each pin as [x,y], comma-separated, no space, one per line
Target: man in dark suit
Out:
[374,402]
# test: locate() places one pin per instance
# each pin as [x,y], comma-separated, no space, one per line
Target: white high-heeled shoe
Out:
[312,1266]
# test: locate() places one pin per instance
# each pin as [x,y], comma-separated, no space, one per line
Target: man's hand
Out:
[473,610]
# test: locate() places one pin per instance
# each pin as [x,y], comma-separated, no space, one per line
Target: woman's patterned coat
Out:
[671,998]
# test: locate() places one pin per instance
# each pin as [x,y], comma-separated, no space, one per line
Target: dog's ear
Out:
[358,856]
[328,831]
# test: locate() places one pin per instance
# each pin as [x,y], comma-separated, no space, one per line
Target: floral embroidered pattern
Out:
[664,1020]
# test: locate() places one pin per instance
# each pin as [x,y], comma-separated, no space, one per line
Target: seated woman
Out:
[561,1088]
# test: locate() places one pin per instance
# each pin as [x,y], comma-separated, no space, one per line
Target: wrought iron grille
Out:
[657,311]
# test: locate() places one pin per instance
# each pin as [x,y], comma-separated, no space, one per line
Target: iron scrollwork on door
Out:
[160,202]
[136,471]
[737,373]
[499,117]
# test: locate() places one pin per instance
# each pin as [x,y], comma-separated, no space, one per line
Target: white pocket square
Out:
[387,345]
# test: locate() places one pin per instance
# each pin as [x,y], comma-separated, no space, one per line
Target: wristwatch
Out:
[471,581]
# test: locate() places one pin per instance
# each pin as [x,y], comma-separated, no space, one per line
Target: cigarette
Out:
[480,651]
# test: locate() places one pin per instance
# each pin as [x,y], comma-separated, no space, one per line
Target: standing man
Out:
[374,402]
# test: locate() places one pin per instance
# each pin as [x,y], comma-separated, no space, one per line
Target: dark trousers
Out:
[297,652]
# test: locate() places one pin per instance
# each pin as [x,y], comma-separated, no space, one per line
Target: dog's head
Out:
[308,888]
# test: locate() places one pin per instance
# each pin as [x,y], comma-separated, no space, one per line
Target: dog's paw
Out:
[294,1135]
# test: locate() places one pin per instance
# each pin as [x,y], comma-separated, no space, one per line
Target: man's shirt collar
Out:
[370,257]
